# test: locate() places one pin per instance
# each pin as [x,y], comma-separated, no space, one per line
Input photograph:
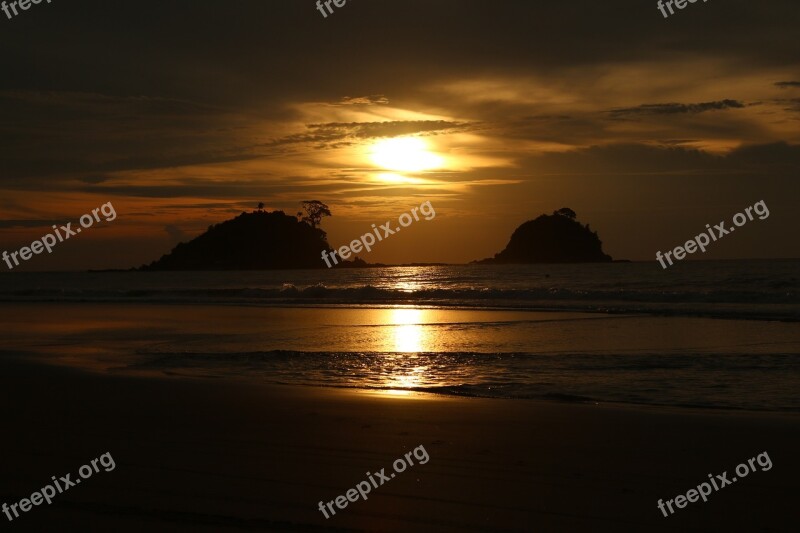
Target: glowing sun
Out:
[408,154]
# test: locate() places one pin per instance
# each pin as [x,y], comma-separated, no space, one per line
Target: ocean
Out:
[716,334]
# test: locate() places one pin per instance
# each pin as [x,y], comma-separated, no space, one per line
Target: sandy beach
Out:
[227,455]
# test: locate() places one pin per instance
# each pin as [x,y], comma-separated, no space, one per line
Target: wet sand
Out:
[226,455]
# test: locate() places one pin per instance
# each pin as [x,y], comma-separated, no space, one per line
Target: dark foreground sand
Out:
[218,455]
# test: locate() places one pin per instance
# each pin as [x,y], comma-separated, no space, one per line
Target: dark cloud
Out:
[280,51]
[337,132]
[231,189]
[785,84]
[792,103]
[371,130]
[677,142]
[780,160]
[377,99]
[573,130]
[25,223]
[204,205]
[675,108]
[49,135]
[93,180]
[780,157]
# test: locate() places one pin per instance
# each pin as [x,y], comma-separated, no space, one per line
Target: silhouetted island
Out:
[252,241]
[556,238]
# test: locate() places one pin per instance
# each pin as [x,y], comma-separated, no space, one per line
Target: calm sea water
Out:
[745,289]
[706,334]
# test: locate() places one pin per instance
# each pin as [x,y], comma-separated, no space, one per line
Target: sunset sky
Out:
[185,113]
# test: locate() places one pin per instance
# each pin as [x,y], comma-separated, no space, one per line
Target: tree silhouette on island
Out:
[259,240]
[315,210]
[556,238]
[263,240]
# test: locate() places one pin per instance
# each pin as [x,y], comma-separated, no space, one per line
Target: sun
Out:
[406,154]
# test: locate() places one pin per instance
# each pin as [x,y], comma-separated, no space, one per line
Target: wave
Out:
[721,303]
[370,293]
[576,378]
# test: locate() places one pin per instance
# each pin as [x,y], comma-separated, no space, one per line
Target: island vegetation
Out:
[556,238]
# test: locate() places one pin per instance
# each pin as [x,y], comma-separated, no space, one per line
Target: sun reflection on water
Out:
[409,335]
[400,369]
